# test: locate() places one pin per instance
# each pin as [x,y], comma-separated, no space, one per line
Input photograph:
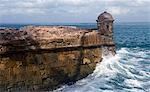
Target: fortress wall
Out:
[32,62]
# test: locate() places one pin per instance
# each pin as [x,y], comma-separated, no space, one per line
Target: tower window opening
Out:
[107,26]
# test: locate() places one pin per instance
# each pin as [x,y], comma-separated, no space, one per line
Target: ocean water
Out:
[127,71]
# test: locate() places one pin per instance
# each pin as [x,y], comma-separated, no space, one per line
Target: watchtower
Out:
[105,28]
[105,24]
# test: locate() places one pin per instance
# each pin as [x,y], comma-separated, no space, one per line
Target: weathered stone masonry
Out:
[44,58]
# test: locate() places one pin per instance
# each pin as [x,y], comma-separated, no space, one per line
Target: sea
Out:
[127,71]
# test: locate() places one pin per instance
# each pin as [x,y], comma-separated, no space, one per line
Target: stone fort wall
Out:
[44,58]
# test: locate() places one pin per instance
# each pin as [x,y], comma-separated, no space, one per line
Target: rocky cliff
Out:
[42,58]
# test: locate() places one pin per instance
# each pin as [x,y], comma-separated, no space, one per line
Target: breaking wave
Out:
[127,71]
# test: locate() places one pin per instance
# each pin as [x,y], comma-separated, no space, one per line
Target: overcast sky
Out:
[72,11]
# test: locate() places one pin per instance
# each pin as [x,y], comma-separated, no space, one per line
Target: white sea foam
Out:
[124,72]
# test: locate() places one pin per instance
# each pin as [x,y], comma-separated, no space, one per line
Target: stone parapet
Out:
[44,37]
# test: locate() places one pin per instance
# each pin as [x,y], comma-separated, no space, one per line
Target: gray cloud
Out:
[51,11]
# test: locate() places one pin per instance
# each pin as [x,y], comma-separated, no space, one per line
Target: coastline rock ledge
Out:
[43,58]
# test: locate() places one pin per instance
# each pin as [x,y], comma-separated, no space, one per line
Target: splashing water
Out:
[127,71]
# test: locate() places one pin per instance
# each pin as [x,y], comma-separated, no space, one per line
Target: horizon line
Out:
[71,23]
